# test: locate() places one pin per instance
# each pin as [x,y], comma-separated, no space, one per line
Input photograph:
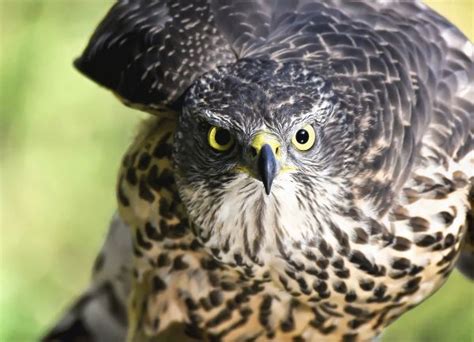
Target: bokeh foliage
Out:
[61,140]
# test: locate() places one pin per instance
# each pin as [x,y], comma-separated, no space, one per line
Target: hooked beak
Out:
[267,167]
[267,149]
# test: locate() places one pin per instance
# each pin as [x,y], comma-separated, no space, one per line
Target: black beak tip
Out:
[268,187]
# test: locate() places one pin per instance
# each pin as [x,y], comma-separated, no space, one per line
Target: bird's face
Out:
[259,139]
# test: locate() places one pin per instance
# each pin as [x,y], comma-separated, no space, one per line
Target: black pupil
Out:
[302,136]
[222,137]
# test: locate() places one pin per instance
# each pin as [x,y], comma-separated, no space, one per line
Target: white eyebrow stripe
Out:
[217,119]
[222,121]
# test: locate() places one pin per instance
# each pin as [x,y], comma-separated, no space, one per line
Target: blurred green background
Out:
[61,140]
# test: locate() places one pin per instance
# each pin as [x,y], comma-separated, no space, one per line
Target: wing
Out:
[100,313]
[147,51]
[402,53]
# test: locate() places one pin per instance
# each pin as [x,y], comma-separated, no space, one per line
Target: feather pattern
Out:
[369,223]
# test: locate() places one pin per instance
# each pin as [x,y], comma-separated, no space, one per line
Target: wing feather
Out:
[147,51]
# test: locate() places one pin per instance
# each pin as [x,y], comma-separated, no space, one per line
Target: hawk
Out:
[306,173]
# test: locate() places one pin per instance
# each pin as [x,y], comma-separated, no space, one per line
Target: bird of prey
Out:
[306,173]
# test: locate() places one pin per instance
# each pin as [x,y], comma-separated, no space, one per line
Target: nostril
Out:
[277,151]
[253,151]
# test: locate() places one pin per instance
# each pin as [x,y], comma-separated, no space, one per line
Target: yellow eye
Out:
[220,139]
[304,138]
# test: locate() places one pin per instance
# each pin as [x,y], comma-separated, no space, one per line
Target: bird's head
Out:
[256,133]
